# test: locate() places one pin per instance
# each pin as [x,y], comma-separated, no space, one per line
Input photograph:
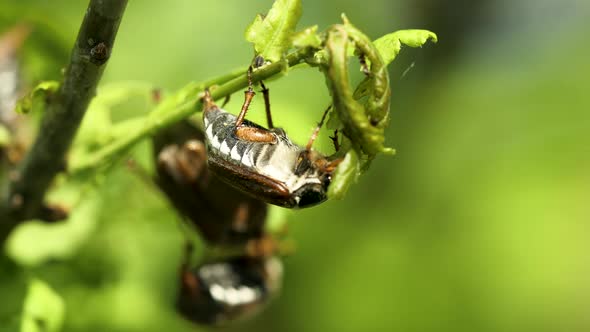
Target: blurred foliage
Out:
[43,309]
[479,223]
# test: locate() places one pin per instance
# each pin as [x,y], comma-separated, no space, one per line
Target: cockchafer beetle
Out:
[221,214]
[221,289]
[232,288]
[262,162]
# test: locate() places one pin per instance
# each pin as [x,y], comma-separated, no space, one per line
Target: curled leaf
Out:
[390,45]
[345,175]
[272,34]
[34,242]
[46,88]
[365,124]
[307,38]
[377,77]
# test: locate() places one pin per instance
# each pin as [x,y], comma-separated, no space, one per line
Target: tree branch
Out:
[181,105]
[64,113]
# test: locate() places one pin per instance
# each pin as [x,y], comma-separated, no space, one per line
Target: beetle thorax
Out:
[289,164]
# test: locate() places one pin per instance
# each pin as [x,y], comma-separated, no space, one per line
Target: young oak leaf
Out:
[345,175]
[390,45]
[272,34]
[34,242]
[46,88]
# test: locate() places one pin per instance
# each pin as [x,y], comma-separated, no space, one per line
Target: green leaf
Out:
[44,309]
[272,34]
[364,125]
[5,136]
[113,94]
[13,288]
[345,175]
[35,242]
[307,38]
[390,45]
[97,128]
[46,88]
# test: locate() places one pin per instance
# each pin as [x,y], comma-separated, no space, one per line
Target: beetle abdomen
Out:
[282,171]
[275,160]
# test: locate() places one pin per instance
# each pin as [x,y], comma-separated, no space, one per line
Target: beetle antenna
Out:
[316,131]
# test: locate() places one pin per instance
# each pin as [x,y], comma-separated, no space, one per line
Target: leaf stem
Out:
[181,105]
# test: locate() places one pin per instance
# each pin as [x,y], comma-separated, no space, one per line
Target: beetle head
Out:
[310,195]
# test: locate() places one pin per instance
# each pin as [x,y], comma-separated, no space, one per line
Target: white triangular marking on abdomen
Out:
[224,148]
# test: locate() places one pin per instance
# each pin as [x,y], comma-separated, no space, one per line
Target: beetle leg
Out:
[188,281]
[331,166]
[187,257]
[191,160]
[335,140]
[208,102]
[251,134]
[264,246]
[185,164]
[240,222]
[316,131]
[266,95]
[255,135]
[248,95]
[328,166]
[257,62]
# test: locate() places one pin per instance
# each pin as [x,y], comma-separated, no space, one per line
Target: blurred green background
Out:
[480,222]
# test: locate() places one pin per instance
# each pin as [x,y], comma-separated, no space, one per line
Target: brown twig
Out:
[24,197]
